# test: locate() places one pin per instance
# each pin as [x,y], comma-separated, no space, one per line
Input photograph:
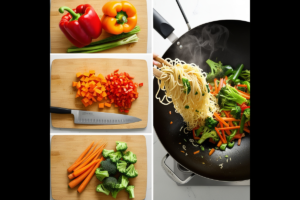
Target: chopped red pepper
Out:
[141,84]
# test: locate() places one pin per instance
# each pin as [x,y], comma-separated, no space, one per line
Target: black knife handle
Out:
[59,110]
[161,25]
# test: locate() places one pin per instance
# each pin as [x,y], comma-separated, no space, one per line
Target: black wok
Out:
[229,42]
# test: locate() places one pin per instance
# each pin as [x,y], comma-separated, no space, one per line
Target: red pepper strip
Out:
[194,135]
[84,26]
[212,141]
[140,84]
[242,86]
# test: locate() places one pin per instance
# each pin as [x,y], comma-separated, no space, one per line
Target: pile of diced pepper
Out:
[117,87]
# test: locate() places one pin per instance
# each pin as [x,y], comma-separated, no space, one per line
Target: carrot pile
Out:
[84,167]
[117,88]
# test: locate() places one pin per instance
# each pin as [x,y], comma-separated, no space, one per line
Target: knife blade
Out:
[90,117]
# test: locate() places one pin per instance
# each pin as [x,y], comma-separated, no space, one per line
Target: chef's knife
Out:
[89,117]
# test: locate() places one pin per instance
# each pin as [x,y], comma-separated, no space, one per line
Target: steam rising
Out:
[209,39]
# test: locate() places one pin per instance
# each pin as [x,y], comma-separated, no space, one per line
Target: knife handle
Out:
[161,25]
[59,110]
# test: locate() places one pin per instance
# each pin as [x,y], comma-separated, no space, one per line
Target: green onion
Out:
[184,140]
[112,38]
[226,156]
[187,107]
[102,47]
[201,156]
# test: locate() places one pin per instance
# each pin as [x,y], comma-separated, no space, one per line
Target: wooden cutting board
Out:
[65,149]
[60,44]
[63,73]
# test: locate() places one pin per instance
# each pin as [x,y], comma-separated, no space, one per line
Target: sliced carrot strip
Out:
[211,151]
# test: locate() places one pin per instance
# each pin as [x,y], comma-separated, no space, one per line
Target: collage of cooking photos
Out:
[149,99]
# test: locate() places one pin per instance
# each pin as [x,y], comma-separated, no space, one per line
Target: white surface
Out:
[147,57]
[150,25]
[197,12]
[149,167]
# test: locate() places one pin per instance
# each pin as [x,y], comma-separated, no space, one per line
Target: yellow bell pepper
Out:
[118,17]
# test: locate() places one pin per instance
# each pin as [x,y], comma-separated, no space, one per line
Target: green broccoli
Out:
[110,183]
[236,112]
[130,157]
[114,192]
[123,182]
[115,156]
[211,123]
[130,190]
[108,165]
[101,188]
[187,86]
[106,152]
[121,146]
[245,119]
[241,88]
[121,166]
[245,74]
[217,70]
[208,134]
[229,95]
[131,171]
[101,174]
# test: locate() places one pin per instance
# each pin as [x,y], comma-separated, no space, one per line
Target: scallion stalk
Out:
[102,47]
[112,38]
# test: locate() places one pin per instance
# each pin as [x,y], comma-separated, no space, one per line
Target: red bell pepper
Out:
[80,25]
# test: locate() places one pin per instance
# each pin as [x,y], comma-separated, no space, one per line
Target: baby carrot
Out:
[88,178]
[211,151]
[80,178]
[70,169]
[76,173]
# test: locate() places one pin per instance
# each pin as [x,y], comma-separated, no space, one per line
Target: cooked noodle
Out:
[200,106]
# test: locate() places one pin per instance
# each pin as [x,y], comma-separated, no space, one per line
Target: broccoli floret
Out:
[186,85]
[245,74]
[130,157]
[114,192]
[108,165]
[241,88]
[217,70]
[130,190]
[121,146]
[121,166]
[101,188]
[131,171]
[211,123]
[123,182]
[247,114]
[207,133]
[229,95]
[101,174]
[110,183]
[236,112]
[115,156]
[106,152]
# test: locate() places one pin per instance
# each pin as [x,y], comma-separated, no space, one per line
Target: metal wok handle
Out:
[185,19]
[171,174]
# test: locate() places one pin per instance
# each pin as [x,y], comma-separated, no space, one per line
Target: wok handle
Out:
[161,25]
[182,12]
[172,175]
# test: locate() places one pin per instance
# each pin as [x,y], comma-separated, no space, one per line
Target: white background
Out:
[147,57]
[149,167]
[197,12]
